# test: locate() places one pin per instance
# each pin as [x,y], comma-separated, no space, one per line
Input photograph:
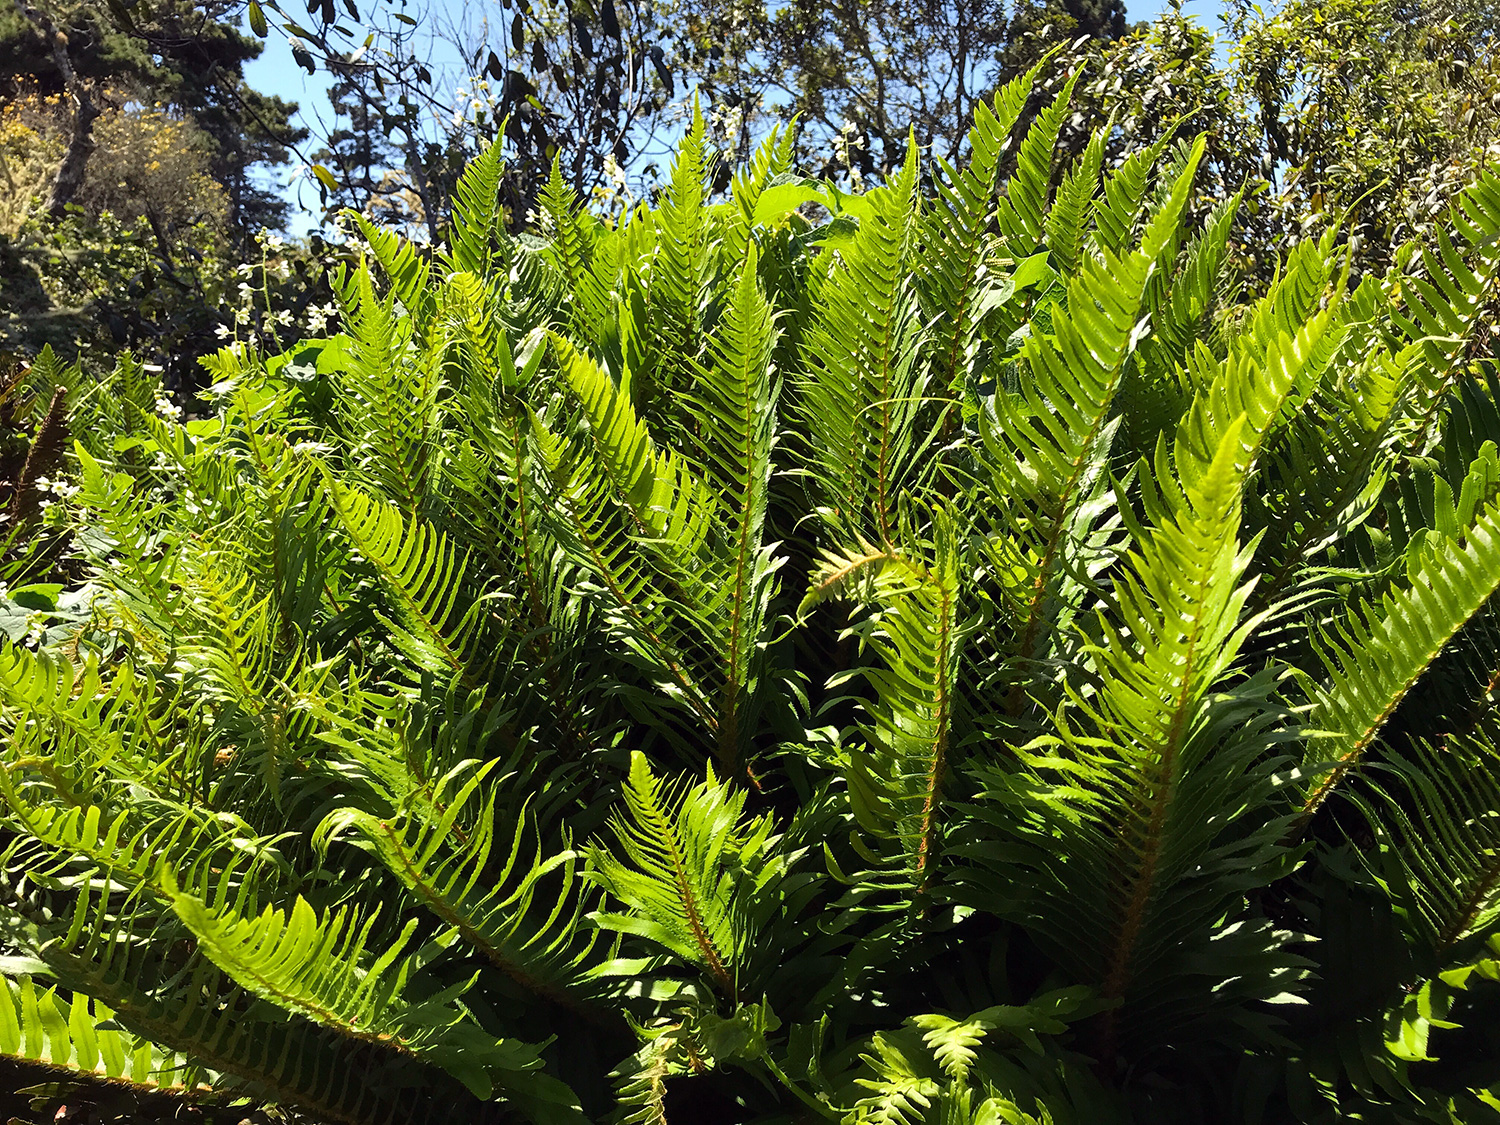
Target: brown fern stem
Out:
[938,761]
[45,453]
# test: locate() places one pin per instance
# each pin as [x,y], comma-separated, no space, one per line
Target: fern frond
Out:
[1020,213]
[1376,653]
[734,403]
[679,272]
[1125,190]
[489,895]
[572,248]
[583,518]
[318,967]
[1044,444]
[862,395]
[1442,309]
[772,160]
[423,576]
[194,1010]
[476,213]
[1112,862]
[1067,218]
[388,407]
[405,266]
[954,270]
[76,1036]
[672,510]
[896,781]
[689,870]
[1434,816]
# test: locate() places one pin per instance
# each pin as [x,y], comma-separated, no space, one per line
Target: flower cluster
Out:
[272,302]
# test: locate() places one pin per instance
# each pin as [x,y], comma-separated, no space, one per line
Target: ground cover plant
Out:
[939,654]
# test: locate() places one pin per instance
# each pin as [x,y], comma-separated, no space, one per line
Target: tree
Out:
[858,74]
[189,56]
[1370,113]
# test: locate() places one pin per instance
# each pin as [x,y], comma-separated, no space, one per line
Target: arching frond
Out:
[1377,652]
[689,867]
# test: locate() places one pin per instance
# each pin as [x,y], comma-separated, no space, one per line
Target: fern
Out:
[1376,653]
[948,653]
[862,395]
[689,869]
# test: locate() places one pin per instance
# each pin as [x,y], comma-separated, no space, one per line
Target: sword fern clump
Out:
[944,654]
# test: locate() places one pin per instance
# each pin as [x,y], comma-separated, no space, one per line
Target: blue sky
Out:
[275,73]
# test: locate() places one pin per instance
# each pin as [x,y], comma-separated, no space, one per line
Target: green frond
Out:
[583,517]
[1068,217]
[1045,443]
[1111,862]
[861,397]
[1125,190]
[489,895]
[214,1025]
[734,402]
[1326,470]
[953,1042]
[897,778]
[679,274]
[404,264]
[572,248]
[772,160]
[955,269]
[1432,810]
[1444,301]
[693,1046]
[78,1036]
[1252,388]
[641,1091]
[423,577]
[319,967]
[1020,213]
[142,572]
[671,509]
[1182,311]
[1374,655]
[388,404]
[689,868]
[477,218]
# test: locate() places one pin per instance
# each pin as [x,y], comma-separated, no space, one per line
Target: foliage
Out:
[188,57]
[936,660]
[1368,113]
[131,152]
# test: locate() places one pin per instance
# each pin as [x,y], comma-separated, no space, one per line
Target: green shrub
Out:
[940,660]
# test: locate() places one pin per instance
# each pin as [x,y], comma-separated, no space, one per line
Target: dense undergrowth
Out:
[954,658]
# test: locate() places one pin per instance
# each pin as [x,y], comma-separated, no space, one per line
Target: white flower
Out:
[317,320]
[55,488]
[242,316]
[282,317]
[222,331]
[167,408]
